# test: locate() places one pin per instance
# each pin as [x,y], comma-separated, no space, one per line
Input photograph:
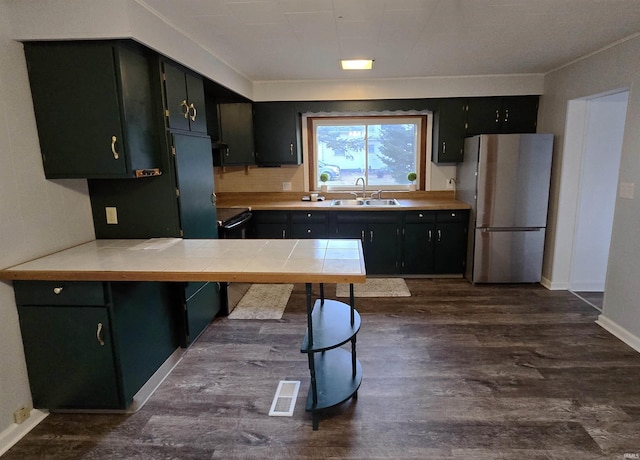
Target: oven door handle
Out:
[237,223]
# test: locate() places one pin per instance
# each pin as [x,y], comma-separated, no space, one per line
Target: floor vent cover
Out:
[285,399]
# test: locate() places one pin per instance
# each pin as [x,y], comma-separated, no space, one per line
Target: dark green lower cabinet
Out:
[380,236]
[202,304]
[394,242]
[68,367]
[309,224]
[434,242]
[418,242]
[449,250]
[93,345]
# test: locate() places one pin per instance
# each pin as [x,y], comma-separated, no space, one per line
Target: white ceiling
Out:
[273,40]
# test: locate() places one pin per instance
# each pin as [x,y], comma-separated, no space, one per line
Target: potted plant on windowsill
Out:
[412,176]
[324,177]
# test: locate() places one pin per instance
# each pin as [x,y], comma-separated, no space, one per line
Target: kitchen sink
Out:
[367,203]
[347,203]
[391,202]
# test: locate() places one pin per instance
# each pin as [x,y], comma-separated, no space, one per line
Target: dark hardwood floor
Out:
[454,372]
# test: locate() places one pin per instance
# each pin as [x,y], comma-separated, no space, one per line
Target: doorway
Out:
[600,135]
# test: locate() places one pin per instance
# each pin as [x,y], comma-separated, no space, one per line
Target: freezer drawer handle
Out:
[512,229]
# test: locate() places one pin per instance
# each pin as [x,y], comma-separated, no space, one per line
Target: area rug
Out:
[263,301]
[376,287]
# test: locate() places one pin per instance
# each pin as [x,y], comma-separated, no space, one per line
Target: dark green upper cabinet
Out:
[184,102]
[236,135]
[449,130]
[94,107]
[502,115]
[276,133]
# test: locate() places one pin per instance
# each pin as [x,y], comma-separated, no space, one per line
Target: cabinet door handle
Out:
[57,290]
[439,235]
[195,112]
[506,115]
[430,236]
[185,108]
[497,116]
[284,233]
[114,139]
[444,147]
[99,335]
[371,236]
[291,149]
[362,236]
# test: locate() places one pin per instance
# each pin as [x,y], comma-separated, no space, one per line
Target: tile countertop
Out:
[292,201]
[175,259]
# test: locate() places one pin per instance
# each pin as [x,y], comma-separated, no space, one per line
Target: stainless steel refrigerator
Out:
[505,179]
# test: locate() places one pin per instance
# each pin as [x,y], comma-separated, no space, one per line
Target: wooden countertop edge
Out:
[253,277]
[293,201]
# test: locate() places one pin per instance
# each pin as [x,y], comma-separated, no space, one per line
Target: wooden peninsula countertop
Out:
[293,201]
[175,259]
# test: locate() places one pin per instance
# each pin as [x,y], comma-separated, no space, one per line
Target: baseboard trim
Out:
[15,432]
[554,286]
[620,332]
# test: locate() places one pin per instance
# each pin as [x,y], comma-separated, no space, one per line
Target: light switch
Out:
[286,186]
[112,215]
[626,190]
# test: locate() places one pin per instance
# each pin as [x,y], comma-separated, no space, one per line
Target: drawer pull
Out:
[185,108]
[114,139]
[99,335]
[57,290]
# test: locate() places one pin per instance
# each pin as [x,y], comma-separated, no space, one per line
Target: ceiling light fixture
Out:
[356,64]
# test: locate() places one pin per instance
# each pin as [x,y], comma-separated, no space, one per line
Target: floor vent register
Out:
[284,400]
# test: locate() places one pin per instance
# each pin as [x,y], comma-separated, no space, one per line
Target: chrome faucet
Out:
[363,185]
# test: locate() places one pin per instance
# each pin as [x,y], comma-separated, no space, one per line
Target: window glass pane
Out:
[395,155]
[340,150]
[380,151]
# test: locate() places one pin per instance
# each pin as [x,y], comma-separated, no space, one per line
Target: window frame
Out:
[422,119]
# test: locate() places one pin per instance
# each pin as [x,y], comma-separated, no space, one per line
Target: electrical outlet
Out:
[112,215]
[286,186]
[21,415]
[451,183]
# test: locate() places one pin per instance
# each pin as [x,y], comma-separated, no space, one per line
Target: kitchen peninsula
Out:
[100,324]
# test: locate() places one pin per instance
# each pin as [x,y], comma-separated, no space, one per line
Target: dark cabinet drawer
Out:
[308,216]
[270,217]
[419,216]
[461,215]
[309,230]
[60,293]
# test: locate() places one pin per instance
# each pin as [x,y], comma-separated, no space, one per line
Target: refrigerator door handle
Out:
[512,229]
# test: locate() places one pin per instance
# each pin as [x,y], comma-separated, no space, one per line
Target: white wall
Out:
[616,68]
[602,134]
[37,216]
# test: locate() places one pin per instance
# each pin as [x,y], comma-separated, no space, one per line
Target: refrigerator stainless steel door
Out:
[508,255]
[513,180]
